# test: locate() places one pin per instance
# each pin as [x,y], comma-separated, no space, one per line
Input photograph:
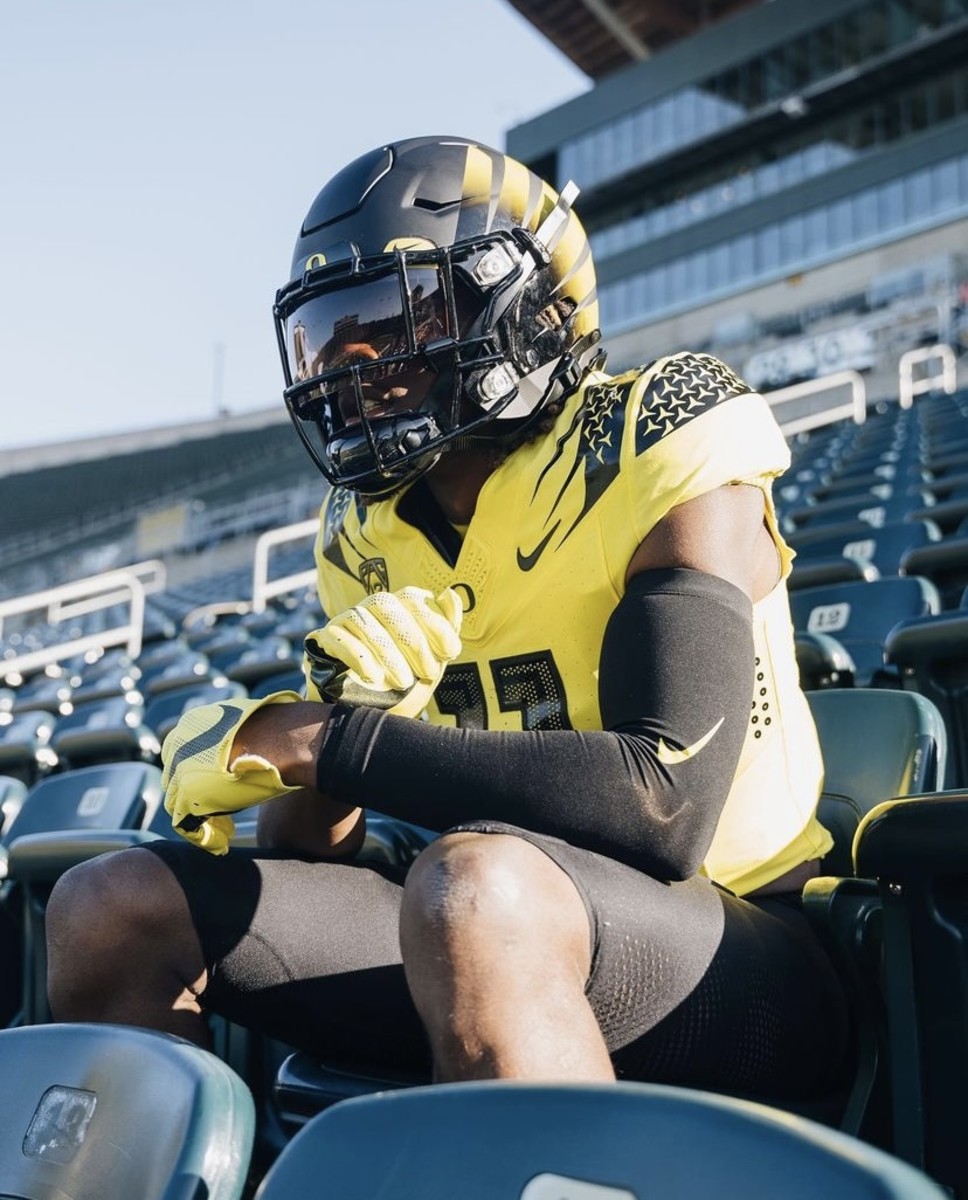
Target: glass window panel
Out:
[686,124]
[865,216]
[891,204]
[824,55]
[767,179]
[876,28]
[657,287]
[638,301]
[798,62]
[642,134]
[793,240]
[841,224]
[743,257]
[719,266]
[677,281]
[817,235]
[944,186]
[768,249]
[917,110]
[917,194]
[665,131]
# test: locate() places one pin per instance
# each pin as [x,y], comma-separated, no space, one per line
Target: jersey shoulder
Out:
[694,425]
[673,392]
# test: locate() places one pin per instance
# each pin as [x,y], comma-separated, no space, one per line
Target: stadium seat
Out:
[292,680]
[66,819]
[930,654]
[109,1112]
[944,562]
[189,667]
[917,850]
[25,750]
[479,1141]
[112,729]
[270,655]
[12,793]
[822,661]
[860,615]
[883,548]
[163,710]
[908,740]
[44,693]
[877,744]
[103,681]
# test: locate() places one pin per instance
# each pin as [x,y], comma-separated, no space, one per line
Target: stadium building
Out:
[784,184]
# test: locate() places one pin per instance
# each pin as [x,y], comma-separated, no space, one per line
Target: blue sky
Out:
[159,155]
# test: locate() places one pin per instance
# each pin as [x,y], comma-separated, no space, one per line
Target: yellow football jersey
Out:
[542,566]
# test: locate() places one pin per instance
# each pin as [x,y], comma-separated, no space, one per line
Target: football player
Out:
[559,644]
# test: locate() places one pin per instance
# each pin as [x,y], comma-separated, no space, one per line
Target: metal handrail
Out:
[907,389]
[82,597]
[263,588]
[855,408]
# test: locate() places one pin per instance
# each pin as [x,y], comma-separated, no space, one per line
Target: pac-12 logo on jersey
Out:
[374,575]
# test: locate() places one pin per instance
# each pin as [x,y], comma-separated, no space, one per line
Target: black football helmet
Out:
[441,294]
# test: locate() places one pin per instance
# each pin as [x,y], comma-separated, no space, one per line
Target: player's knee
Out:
[99,912]
[474,886]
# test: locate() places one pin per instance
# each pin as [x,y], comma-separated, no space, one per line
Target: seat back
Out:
[576,1142]
[931,654]
[93,1112]
[876,744]
[64,820]
[917,850]
[107,796]
[860,615]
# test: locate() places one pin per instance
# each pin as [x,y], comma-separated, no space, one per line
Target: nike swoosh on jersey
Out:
[527,561]
[670,757]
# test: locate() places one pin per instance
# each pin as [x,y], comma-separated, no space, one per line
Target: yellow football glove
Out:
[201,786]
[388,652]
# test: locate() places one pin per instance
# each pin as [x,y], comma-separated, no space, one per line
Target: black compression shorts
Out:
[689,984]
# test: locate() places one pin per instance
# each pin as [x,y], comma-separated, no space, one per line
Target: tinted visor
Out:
[367,322]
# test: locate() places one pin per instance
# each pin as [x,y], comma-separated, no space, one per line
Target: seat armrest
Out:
[914,837]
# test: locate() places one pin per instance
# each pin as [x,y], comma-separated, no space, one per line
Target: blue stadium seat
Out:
[45,693]
[930,654]
[111,729]
[822,661]
[65,819]
[884,547]
[916,849]
[861,615]
[25,750]
[163,710]
[108,1112]
[478,1141]
[944,562]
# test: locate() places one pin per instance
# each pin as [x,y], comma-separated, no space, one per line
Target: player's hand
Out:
[388,652]
[203,784]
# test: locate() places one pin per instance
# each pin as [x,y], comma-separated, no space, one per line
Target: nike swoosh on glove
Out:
[389,651]
[201,787]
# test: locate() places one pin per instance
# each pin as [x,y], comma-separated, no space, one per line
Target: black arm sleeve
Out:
[675,689]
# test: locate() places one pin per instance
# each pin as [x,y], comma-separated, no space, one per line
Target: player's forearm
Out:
[307,823]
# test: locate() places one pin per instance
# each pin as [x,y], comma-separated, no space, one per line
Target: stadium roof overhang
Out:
[602,36]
